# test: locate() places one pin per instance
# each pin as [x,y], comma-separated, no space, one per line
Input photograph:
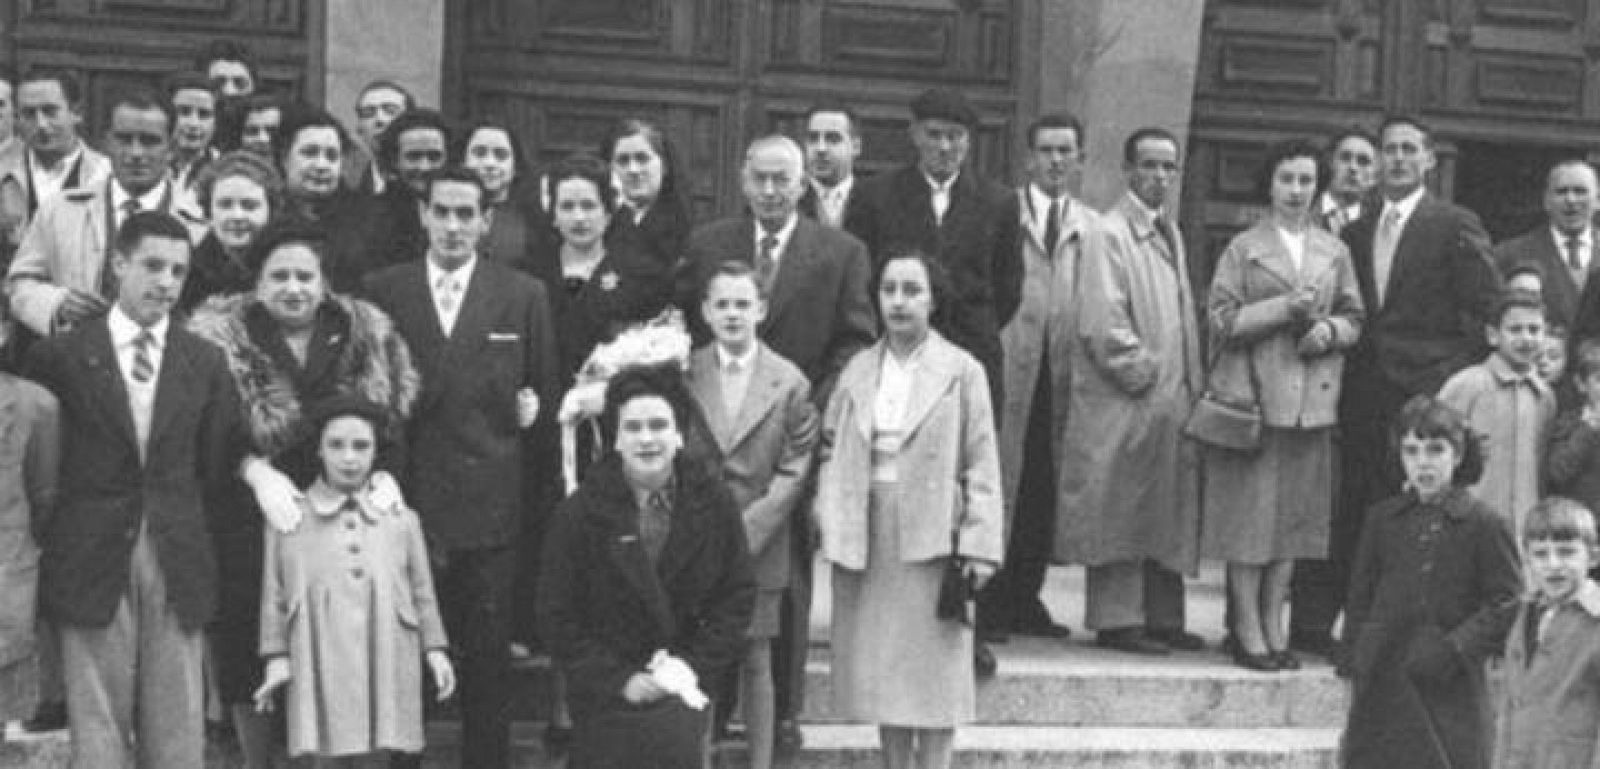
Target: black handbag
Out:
[1222,417]
[956,591]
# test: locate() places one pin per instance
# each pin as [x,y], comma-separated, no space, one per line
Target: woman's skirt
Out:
[1273,505]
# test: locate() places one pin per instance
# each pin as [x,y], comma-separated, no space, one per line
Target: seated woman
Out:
[646,577]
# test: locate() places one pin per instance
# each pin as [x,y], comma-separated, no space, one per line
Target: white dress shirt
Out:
[830,200]
[735,372]
[141,395]
[447,285]
[896,377]
[48,182]
[1585,249]
[939,195]
[151,200]
[782,236]
[1391,222]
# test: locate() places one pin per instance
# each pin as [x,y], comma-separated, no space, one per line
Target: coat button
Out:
[357,573]
[354,548]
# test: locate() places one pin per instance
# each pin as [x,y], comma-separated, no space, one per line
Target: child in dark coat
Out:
[1432,593]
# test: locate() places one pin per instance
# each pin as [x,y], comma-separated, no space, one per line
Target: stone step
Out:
[1038,747]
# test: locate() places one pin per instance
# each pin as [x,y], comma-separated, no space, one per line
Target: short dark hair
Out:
[455,173]
[297,117]
[657,139]
[148,224]
[281,233]
[71,87]
[1352,132]
[1515,299]
[141,100]
[939,284]
[732,268]
[1130,147]
[1055,120]
[830,105]
[1280,152]
[321,412]
[224,49]
[586,167]
[185,81]
[413,120]
[1559,519]
[1430,418]
[1390,121]
[1572,162]
[522,173]
[662,381]
[1524,267]
[388,85]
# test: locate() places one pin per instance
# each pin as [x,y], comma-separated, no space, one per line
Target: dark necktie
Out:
[1166,236]
[1052,230]
[144,368]
[766,265]
[1575,255]
[1530,629]
[655,521]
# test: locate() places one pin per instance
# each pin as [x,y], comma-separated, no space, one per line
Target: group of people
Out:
[284,428]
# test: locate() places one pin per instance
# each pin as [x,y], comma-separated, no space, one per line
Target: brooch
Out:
[609,281]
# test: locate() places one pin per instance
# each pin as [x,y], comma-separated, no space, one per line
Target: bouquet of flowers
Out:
[661,341]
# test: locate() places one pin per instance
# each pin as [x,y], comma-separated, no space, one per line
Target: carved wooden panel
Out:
[684,29]
[1525,80]
[1552,13]
[970,40]
[243,19]
[1301,65]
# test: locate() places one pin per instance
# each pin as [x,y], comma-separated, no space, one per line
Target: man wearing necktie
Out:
[152,436]
[47,156]
[1038,343]
[481,337]
[832,146]
[61,273]
[1428,283]
[1563,250]
[1130,482]
[1353,165]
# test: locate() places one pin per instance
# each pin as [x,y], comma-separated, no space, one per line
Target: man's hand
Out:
[77,306]
[444,675]
[276,676]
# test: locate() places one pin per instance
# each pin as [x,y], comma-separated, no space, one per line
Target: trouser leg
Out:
[1114,596]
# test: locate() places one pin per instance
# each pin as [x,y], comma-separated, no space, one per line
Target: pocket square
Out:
[503,337]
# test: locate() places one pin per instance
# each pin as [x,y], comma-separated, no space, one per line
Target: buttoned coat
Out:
[1548,715]
[17,200]
[1538,247]
[108,491]
[465,461]
[766,450]
[948,460]
[30,448]
[1513,412]
[819,313]
[1045,328]
[1248,309]
[1131,488]
[1428,577]
[605,611]
[322,578]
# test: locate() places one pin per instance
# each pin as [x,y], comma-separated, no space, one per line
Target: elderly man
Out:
[379,103]
[832,146]
[1353,165]
[1130,491]
[1039,344]
[1563,248]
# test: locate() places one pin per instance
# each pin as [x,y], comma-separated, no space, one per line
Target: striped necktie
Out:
[144,368]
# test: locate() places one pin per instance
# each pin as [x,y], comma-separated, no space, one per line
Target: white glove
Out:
[675,676]
[527,407]
[275,493]
[383,492]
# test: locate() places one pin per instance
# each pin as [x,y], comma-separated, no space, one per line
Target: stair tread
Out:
[825,737]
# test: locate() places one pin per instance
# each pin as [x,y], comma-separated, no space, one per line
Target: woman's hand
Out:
[1301,303]
[1318,340]
[275,493]
[444,675]
[642,688]
[276,676]
[979,573]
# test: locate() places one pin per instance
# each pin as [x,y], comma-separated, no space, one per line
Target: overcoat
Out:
[605,611]
[1538,247]
[766,450]
[948,448]
[1044,329]
[30,447]
[1430,578]
[1131,485]
[1548,716]
[348,597]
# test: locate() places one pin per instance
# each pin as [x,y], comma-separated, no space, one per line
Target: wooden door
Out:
[114,44]
[717,73]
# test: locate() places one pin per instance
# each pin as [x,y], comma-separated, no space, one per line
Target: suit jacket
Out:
[628,286]
[662,234]
[1442,287]
[819,313]
[107,492]
[465,457]
[17,201]
[65,247]
[809,203]
[948,464]
[1539,248]
[1549,704]
[766,450]
[977,241]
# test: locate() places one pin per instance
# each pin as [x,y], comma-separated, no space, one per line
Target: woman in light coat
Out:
[1283,307]
[910,478]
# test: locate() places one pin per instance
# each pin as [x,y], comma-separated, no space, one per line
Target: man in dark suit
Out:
[969,224]
[819,314]
[481,337]
[1563,248]
[1428,283]
[832,146]
[152,432]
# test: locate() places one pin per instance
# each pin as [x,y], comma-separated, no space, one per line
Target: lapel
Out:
[1272,256]
[706,384]
[1411,232]
[417,318]
[1033,220]
[935,374]
[106,379]
[1321,249]
[859,384]
[793,264]
[685,539]
[173,384]
[964,194]
[8,407]
[616,521]
[1358,237]
[1143,227]
[916,200]
[477,305]
[759,397]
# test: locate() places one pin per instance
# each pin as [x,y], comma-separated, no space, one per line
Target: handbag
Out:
[956,591]
[1222,418]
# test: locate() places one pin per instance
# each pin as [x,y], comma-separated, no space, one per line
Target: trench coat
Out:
[1045,328]
[1130,487]
[367,570]
[1430,578]
[1548,716]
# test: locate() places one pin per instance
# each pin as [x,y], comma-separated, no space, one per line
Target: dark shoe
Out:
[48,717]
[1178,640]
[1043,629]
[983,661]
[1130,640]
[1320,643]
[557,740]
[1286,660]
[1266,662]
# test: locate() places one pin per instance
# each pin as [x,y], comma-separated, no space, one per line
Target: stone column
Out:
[399,40]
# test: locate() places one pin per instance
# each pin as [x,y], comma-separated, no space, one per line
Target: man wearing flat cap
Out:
[968,223]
